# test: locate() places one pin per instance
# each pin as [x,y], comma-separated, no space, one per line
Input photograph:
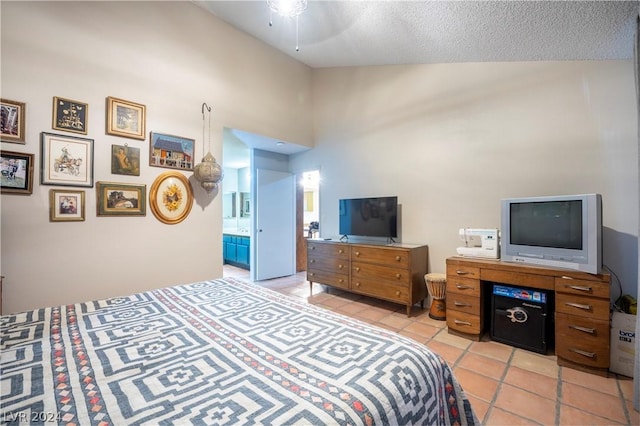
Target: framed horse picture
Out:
[66,160]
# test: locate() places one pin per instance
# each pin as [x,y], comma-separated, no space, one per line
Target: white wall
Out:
[171,57]
[451,140]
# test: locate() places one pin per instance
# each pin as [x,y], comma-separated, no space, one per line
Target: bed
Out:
[217,352]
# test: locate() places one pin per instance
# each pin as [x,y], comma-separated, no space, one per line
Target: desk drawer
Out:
[581,340]
[464,322]
[590,307]
[582,287]
[518,279]
[463,271]
[463,285]
[463,303]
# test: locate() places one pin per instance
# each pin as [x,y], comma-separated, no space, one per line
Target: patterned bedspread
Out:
[217,352]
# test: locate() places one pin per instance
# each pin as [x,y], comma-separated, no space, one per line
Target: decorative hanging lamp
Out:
[287,9]
[208,172]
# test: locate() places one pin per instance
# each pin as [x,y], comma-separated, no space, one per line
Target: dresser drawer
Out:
[328,250]
[582,287]
[590,307]
[463,286]
[332,264]
[463,271]
[463,303]
[583,341]
[366,271]
[328,278]
[381,256]
[382,290]
[464,322]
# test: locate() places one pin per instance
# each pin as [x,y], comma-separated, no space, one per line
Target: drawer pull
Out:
[583,353]
[340,251]
[458,322]
[397,293]
[463,287]
[357,284]
[340,280]
[579,288]
[313,247]
[312,261]
[456,303]
[583,329]
[398,276]
[579,306]
[340,266]
[398,258]
[461,272]
[357,269]
[357,253]
[311,274]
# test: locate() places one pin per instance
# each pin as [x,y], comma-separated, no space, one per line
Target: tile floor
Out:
[506,385]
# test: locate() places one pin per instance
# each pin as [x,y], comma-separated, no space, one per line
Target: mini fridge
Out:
[522,317]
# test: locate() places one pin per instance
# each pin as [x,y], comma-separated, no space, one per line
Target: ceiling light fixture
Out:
[287,9]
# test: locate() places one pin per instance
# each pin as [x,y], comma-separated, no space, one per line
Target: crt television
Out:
[558,231]
[369,217]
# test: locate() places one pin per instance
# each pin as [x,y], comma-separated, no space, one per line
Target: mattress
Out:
[217,352]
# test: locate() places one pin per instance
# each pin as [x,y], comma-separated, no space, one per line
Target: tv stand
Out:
[582,319]
[394,273]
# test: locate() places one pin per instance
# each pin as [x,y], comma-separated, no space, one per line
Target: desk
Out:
[582,314]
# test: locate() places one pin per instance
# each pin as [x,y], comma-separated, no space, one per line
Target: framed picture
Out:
[171,197]
[17,173]
[125,118]
[70,116]
[66,205]
[172,152]
[66,160]
[12,121]
[125,160]
[121,199]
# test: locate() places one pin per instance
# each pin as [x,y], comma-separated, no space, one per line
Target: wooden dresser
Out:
[389,272]
[582,318]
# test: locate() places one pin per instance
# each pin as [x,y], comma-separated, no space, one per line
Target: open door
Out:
[275,224]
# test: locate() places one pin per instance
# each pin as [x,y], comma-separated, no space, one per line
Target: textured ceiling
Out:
[362,33]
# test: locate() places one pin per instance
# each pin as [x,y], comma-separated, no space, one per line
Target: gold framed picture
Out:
[69,115]
[121,199]
[66,205]
[171,197]
[12,121]
[126,118]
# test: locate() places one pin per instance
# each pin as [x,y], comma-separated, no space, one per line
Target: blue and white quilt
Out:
[217,352]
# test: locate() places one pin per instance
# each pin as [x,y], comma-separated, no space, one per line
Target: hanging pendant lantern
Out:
[208,172]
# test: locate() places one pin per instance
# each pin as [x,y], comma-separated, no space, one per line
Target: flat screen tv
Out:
[558,231]
[369,217]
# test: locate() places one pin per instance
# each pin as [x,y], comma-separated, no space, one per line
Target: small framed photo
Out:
[125,160]
[171,197]
[17,173]
[12,121]
[66,160]
[121,199]
[66,205]
[70,116]
[171,152]
[126,118]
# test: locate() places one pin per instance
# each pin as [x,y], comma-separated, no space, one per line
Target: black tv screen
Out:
[369,217]
[547,224]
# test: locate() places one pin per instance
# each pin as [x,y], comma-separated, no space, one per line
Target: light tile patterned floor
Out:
[506,385]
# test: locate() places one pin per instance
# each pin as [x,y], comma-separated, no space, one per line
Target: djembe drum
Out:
[437,287]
